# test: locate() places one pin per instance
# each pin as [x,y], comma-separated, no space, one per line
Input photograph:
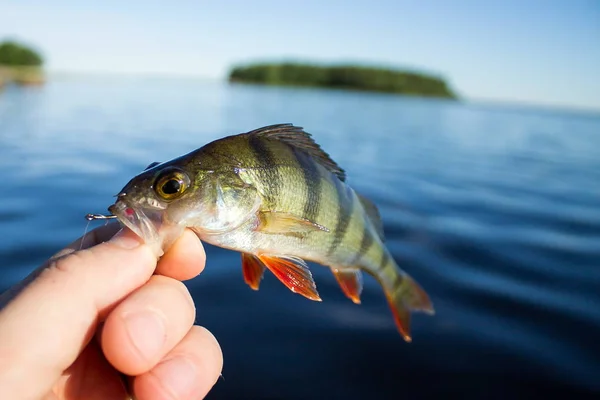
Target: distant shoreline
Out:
[20,64]
[346,77]
[490,103]
[24,76]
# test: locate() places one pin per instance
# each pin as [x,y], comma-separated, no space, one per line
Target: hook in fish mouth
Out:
[93,217]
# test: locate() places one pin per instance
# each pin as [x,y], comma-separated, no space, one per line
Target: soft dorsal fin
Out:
[373,214]
[297,137]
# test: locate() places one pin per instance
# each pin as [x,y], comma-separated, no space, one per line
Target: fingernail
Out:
[126,239]
[147,332]
[178,376]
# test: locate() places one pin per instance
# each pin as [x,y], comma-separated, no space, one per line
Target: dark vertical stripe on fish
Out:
[345,210]
[266,160]
[385,260]
[397,283]
[312,182]
[365,244]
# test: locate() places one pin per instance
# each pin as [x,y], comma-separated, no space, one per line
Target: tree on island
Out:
[344,76]
[20,64]
[14,54]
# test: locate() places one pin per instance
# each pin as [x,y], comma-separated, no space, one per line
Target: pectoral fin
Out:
[350,281]
[253,270]
[293,273]
[275,222]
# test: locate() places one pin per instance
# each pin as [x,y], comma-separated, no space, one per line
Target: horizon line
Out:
[475,101]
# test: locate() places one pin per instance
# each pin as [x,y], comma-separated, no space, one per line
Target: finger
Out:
[45,327]
[142,329]
[185,259]
[91,377]
[96,236]
[189,371]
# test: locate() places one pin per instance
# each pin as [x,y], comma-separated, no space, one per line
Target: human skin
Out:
[106,322]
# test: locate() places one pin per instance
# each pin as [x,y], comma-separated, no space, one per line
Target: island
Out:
[20,64]
[343,76]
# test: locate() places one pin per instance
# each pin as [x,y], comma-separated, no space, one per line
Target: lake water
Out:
[495,211]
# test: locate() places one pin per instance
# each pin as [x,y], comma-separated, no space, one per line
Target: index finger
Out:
[184,260]
[63,304]
[93,237]
[90,239]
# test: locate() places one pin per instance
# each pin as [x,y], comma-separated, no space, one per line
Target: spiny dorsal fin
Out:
[297,137]
[373,214]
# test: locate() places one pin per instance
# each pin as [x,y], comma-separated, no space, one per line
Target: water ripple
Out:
[494,211]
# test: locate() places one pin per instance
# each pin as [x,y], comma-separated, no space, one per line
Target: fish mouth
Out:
[145,223]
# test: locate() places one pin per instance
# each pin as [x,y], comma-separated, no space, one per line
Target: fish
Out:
[275,196]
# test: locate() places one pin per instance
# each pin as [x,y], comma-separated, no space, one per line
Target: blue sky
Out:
[535,51]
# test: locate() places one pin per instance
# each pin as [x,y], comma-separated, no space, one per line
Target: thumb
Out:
[47,324]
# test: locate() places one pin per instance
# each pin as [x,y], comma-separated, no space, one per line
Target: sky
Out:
[545,52]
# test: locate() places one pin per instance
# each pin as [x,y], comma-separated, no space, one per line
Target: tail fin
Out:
[405,295]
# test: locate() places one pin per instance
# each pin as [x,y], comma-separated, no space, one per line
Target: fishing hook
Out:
[93,217]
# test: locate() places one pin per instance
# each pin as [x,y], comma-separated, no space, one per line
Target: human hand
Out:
[97,324]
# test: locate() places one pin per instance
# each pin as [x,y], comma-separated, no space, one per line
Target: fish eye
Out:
[171,184]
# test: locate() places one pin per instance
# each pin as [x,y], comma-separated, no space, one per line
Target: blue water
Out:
[495,211]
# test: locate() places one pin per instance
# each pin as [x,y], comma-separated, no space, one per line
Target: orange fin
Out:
[285,223]
[293,273]
[253,270]
[350,280]
[401,318]
[407,296]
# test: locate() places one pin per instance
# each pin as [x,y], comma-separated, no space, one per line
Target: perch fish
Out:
[274,195]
